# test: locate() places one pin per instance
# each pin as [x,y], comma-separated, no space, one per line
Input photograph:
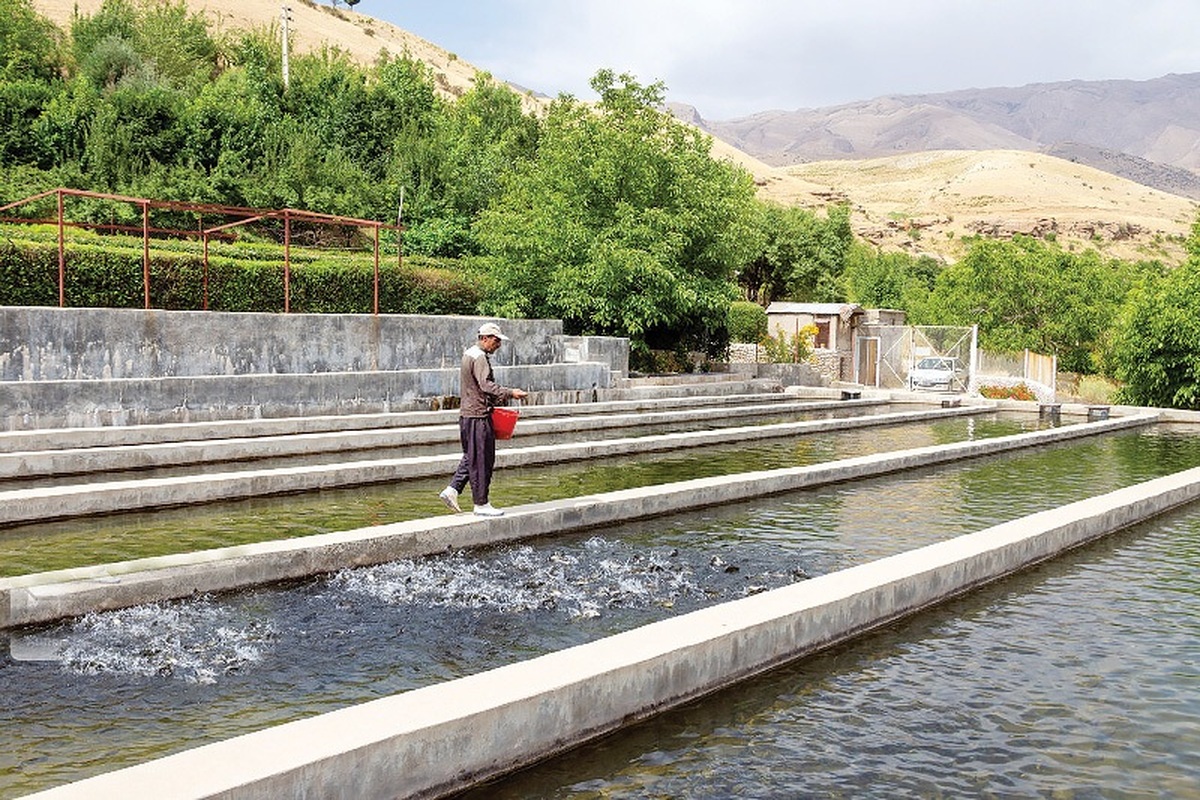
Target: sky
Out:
[733,58]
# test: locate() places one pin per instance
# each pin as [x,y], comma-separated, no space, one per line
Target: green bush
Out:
[794,349]
[107,272]
[747,321]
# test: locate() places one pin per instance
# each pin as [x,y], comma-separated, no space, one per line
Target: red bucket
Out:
[504,420]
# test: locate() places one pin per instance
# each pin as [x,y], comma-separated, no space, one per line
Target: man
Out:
[479,393]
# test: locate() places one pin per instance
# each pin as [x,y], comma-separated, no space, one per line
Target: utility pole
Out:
[286,15]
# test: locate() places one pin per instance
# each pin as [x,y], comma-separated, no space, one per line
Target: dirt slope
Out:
[925,202]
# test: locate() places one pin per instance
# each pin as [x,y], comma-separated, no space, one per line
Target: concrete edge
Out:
[43,597]
[165,432]
[46,461]
[107,497]
[432,741]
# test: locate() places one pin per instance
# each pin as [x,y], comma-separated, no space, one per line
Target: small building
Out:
[836,344]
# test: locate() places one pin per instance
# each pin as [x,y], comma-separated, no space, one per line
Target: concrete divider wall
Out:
[432,741]
[32,405]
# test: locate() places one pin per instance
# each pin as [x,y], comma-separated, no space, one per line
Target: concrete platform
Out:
[47,596]
[432,741]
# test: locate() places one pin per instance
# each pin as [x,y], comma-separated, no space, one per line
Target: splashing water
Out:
[523,579]
[195,641]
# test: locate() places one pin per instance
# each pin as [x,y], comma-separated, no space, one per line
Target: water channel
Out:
[1006,689]
[59,545]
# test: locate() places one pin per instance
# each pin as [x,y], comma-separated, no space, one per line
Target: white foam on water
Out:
[522,579]
[196,641]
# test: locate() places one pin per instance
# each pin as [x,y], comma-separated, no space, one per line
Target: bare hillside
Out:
[1148,131]
[926,202]
[923,202]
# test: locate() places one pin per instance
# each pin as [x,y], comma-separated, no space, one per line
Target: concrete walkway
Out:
[111,436]
[43,459]
[105,497]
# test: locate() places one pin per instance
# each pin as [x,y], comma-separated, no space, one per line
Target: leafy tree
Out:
[1155,348]
[623,224]
[30,62]
[29,44]
[178,44]
[135,126]
[1027,294]
[889,280]
[799,256]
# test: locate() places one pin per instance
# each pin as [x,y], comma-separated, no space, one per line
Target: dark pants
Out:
[478,439]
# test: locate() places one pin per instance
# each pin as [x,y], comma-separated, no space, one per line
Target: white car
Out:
[940,373]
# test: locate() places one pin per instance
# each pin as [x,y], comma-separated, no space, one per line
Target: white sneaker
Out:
[450,498]
[488,510]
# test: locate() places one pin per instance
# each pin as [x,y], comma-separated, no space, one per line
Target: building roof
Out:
[843,310]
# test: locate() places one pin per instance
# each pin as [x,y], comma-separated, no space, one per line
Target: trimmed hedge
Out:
[747,322]
[106,272]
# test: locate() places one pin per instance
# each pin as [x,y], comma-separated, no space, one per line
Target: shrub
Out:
[107,272]
[798,348]
[747,321]
[1017,391]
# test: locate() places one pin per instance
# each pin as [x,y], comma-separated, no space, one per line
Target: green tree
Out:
[800,255]
[624,224]
[1028,294]
[889,280]
[483,136]
[29,44]
[1155,348]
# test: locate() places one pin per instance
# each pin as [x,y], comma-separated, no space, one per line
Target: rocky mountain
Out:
[1146,131]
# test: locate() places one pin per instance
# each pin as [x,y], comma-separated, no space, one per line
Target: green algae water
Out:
[103,539]
[1072,677]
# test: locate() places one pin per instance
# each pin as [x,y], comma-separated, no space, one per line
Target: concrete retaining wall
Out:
[432,741]
[54,344]
[78,367]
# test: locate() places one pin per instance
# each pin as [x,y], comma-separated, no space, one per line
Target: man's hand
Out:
[519,394]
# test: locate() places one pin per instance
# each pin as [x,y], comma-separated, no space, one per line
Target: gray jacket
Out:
[478,390]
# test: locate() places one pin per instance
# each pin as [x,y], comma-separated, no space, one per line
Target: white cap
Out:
[492,329]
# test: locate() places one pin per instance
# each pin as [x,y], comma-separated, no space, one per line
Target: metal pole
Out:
[376,270]
[62,254]
[400,229]
[286,15]
[287,261]
[206,272]
[146,252]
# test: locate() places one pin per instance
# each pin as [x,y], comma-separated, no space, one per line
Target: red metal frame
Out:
[247,215]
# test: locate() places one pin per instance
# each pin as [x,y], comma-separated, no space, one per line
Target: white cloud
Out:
[736,57]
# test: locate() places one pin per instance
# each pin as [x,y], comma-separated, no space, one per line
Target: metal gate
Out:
[885,354]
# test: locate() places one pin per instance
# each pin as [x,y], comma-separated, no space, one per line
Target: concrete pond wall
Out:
[78,367]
